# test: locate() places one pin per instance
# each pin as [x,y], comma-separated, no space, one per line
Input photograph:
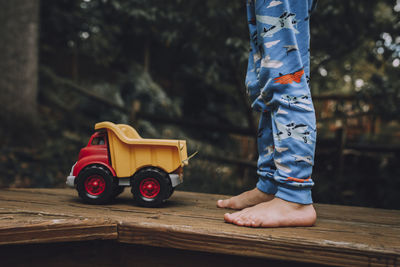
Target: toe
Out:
[223,203]
[236,215]
[255,224]
[228,217]
[247,223]
[247,219]
[238,221]
[255,221]
[241,218]
[220,203]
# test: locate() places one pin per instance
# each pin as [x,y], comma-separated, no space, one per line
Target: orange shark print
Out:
[289,78]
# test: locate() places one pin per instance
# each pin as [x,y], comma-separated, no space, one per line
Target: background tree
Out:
[19,25]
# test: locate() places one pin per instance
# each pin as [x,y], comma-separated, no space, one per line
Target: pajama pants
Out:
[277,83]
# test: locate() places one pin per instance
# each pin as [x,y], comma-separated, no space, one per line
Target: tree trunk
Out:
[18,62]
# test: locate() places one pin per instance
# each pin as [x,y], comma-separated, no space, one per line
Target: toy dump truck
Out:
[117,157]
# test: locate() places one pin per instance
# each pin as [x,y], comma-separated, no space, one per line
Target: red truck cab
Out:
[96,152]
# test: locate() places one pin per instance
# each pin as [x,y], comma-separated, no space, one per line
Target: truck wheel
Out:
[171,191]
[117,190]
[151,187]
[95,185]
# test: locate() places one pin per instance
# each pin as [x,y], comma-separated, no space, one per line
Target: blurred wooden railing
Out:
[340,132]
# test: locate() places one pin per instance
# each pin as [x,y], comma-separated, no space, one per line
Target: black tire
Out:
[95,185]
[151,187]
[171,192]
[117,190]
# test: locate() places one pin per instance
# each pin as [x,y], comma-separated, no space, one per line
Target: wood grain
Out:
[112,253]
[22,227]
[342,236]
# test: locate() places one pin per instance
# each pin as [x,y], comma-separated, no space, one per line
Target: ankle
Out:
[294,205]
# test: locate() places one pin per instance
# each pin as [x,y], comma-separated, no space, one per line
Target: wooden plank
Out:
[111,253]
[345,241]
[343,236]
[19,226]
[29,216]
[271,247]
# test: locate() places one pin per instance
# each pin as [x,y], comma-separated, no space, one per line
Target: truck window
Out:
[98,141]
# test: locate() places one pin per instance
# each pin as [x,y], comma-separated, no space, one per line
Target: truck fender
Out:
[151,167]
[95,163]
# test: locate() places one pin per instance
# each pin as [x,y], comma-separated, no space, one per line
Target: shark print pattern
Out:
[268,63]
[256,57]
[303,101]
[271,44]
[281,111]
[292,130]
[280,166]
[307,159]
[285,21]
[277,82]
[291,77]
[290,48]
[270,150]
[281,149]
[274,3]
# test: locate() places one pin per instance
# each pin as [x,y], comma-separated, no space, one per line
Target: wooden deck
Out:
[191,223]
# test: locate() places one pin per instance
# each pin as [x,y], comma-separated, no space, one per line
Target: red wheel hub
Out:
[149,187]
[95,185]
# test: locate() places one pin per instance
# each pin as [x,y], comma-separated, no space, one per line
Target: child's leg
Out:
[278,83]
[266,188]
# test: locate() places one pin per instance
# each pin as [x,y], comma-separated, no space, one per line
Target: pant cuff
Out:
[293,194]
[267,186]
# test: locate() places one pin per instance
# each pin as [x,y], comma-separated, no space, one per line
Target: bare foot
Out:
[245,200]
[274,213]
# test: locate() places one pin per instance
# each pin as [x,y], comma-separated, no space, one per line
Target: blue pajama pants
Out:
[277,83]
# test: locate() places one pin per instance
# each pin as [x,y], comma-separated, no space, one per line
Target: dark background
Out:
[175,69]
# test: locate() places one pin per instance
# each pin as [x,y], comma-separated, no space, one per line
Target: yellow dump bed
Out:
[129,152]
